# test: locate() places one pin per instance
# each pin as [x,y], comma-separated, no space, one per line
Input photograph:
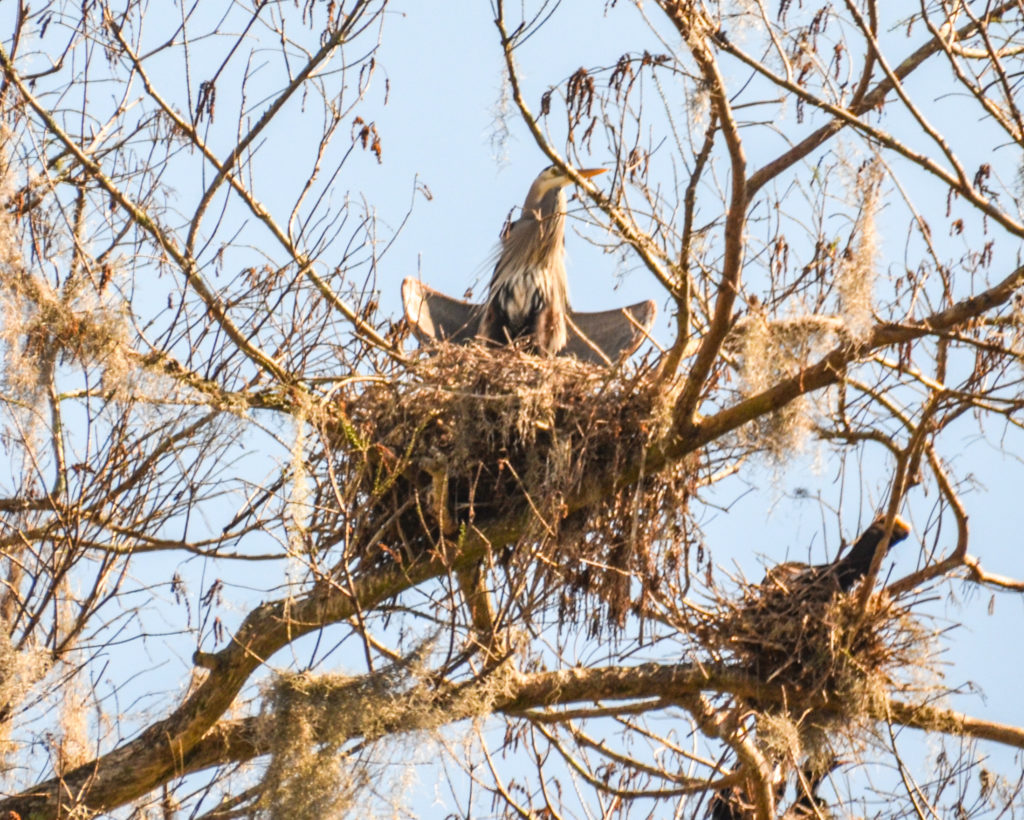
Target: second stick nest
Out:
[834,658]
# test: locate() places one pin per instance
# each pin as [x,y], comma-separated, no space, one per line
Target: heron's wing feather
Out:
[614,332]
[433,316]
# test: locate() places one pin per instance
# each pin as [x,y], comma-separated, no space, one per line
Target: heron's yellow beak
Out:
[899,526]
[591,172]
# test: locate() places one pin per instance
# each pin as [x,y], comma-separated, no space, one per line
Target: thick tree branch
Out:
[829,370]
[655,685]
[697,30]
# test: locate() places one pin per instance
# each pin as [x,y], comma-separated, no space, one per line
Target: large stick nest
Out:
[474,436]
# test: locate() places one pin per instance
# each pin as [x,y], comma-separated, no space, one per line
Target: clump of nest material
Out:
[476,436]
[827,661]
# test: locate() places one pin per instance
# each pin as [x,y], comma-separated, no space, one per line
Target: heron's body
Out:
[529,290]
[842,573]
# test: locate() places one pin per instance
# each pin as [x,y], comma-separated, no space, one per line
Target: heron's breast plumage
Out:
[529,289]
[523,288]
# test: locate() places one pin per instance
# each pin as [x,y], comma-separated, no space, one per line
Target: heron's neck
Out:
[550,204]
[532,254]
[544,217]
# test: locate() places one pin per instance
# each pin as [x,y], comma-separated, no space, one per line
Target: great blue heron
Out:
[529,291]
[528,294]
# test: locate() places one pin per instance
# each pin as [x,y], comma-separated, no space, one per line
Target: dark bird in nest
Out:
[843,573]
[785,590]
[529,290]
[528,295]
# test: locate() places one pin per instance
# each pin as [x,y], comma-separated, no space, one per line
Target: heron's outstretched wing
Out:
[434,317]
[614,332]
[593,337]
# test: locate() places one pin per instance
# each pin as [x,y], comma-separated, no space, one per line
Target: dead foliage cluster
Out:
[475,436]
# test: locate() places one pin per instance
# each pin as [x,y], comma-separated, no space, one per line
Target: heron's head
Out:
[553,178]
[900,529]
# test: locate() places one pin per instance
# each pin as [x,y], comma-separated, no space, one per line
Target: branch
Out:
[907,464]
[658,685]
[946,721]
[980,576]
[670,364]
[957,557]
[696,30]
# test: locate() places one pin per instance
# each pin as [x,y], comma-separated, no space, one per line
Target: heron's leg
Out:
[549,330]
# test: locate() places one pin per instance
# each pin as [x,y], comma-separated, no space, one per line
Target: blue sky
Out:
[442,126]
